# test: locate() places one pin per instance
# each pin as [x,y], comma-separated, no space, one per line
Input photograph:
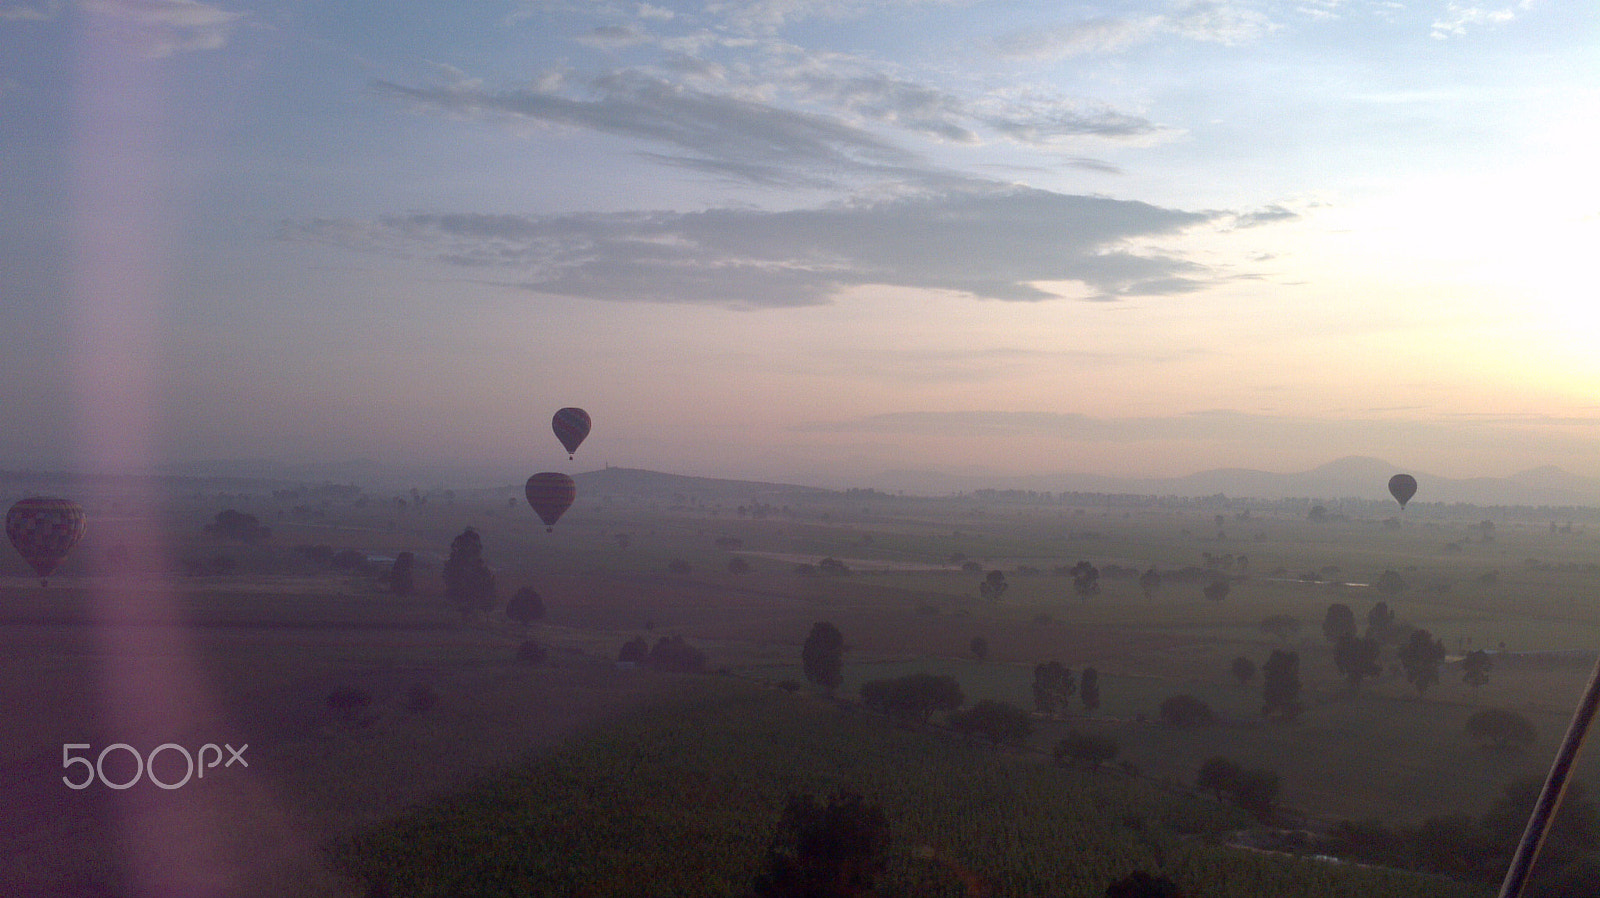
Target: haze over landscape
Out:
[825,243]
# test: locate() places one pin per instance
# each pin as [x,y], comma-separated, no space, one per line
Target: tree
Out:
[831,850]
[1186,712]
[1254,789]
[1140,884]
[1357,659]
[1085,579]
[1380,620]
[1280,686]
[979,647]
[1088,749]
[1243,669]
[914,697]
[634,651]
[673,654]
[525,606]
[1475,668]
[737,565]
[1217,589]
[1421,657]
[1257,789]
[468,583]
[822,656]
[999,721]
[401,580]
[236,525]
[1150,583]
[993,586]
[1501,730]
[1089,690]
[678,567]
[1052,687]
[1338,623]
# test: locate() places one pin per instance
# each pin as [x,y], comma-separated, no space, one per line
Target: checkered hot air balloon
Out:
[44,530]
[571,426]
[550,494]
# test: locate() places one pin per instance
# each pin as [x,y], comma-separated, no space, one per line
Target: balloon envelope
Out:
[571,426]
[550,494]
[44,530]
[1402,487]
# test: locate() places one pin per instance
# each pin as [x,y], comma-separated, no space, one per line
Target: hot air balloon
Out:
[44,530]
[571,426]
[1402,487]
[550,494]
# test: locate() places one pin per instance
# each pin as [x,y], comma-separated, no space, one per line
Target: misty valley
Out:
[685,686]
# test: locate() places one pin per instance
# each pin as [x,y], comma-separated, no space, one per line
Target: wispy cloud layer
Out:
[990,242]
[162,28]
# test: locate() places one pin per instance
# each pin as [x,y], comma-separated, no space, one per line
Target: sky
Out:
[803,240]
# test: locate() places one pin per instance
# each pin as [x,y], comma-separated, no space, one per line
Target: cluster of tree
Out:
[1054,684]
[837,848]
[1254,789]
[1001,723]
[913,698]
[993,586]
[1419,654]
[236,525]
[670,654]
[1085,579]
[823,850]
[1460,845]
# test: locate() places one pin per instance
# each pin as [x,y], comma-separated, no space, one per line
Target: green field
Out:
[146,638]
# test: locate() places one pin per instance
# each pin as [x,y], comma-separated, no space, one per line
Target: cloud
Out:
[1270,215]
[162,28]
[613,37]
[988,241]
[720,132]
[1458,18]
[1213,424]
[1230,24]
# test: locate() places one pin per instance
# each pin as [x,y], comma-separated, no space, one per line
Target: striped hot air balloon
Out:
[44,530]
[571,426]
[550,494]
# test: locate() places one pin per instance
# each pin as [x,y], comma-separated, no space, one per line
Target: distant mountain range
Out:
[1354,477]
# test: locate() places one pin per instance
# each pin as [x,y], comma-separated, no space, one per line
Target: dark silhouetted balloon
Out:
[1402,487]
[571,426]
[44,530]
[550,494]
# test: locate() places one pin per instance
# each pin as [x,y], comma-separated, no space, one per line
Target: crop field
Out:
[158,632]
